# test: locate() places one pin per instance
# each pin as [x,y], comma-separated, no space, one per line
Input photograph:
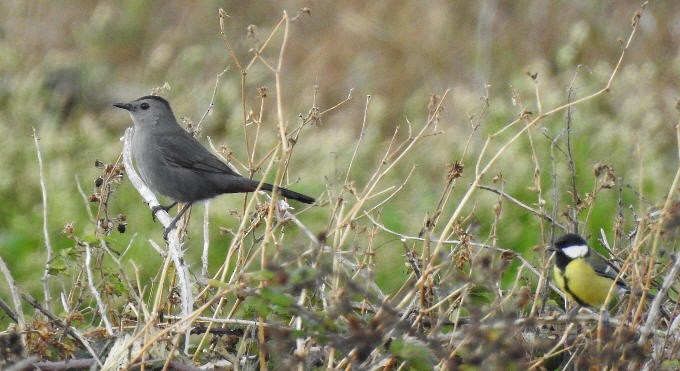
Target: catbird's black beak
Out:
[125,106]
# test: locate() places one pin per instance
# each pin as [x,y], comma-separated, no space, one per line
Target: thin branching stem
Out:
[49,254]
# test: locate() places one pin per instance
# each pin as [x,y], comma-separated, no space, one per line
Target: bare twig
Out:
[93,290]
[85,199]
[570,156]
[519,203]
[46,235]
[279,92]
[206,239]
[174,246]
[481,171]
[655,308]
[211,106]
[17,314]
[69,329]
[361,137]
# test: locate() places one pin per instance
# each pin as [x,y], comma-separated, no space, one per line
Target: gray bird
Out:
[173,163]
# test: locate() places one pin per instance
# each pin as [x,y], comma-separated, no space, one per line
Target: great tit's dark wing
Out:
[186,152]
[604,268]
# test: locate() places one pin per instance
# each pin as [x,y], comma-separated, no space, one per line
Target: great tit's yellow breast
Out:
[559,280]
[581,282]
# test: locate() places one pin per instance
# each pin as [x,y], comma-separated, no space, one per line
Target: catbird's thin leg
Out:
[155,209]
[173,223]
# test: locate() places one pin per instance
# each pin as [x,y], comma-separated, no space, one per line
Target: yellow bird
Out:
[582,274]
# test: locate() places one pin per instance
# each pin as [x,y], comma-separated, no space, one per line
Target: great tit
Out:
[585,276]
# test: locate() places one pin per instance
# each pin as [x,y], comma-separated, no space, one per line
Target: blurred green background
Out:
[62,65]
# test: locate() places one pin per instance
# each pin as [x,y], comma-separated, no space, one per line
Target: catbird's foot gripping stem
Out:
[174,221]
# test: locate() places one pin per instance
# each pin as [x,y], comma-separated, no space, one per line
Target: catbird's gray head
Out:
[148,110]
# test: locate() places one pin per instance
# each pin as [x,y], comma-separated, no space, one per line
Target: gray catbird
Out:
[173,163]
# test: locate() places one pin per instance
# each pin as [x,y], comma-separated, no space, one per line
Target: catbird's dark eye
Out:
[145,106]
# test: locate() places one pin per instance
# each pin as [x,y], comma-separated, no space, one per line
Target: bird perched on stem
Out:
[584,275]
[173,163]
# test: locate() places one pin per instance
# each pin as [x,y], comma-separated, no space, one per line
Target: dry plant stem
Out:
[142,309]
[655,308]
[256,140]
[265,44]
[570,157]
[481,171]
[17,313]
[174,247]
[458,291]
[279,93]
[638,242]
[184,322]
[211,106]
[161,283]
[504,298]
[450,184]
[244,71]
[541,292]
[537,93]
[222,16]
[6,308]
[263,263]
[649,274]
[171,352]
[591,207]
[244,108]
[547,256]
[312,237]
[46,235]
[95,293]
[556,348]
[229,321]
[393,190]
[72,331]
[537,187]
[264,158]
[347,99]
[297,323]
[206,239]
[359,140]
[235,249]
[539,273]
[343,224]
[242,260]
[85,199]
[121,272]
[285,149]
[538,213]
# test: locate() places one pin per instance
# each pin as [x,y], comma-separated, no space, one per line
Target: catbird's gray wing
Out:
[183,151]
[186,152]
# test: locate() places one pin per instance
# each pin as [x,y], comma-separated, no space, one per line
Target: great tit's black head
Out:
[568,240]
[570,246]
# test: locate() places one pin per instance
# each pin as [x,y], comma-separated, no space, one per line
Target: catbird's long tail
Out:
[285,192]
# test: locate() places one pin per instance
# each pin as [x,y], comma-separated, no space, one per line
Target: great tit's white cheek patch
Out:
[576,251]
